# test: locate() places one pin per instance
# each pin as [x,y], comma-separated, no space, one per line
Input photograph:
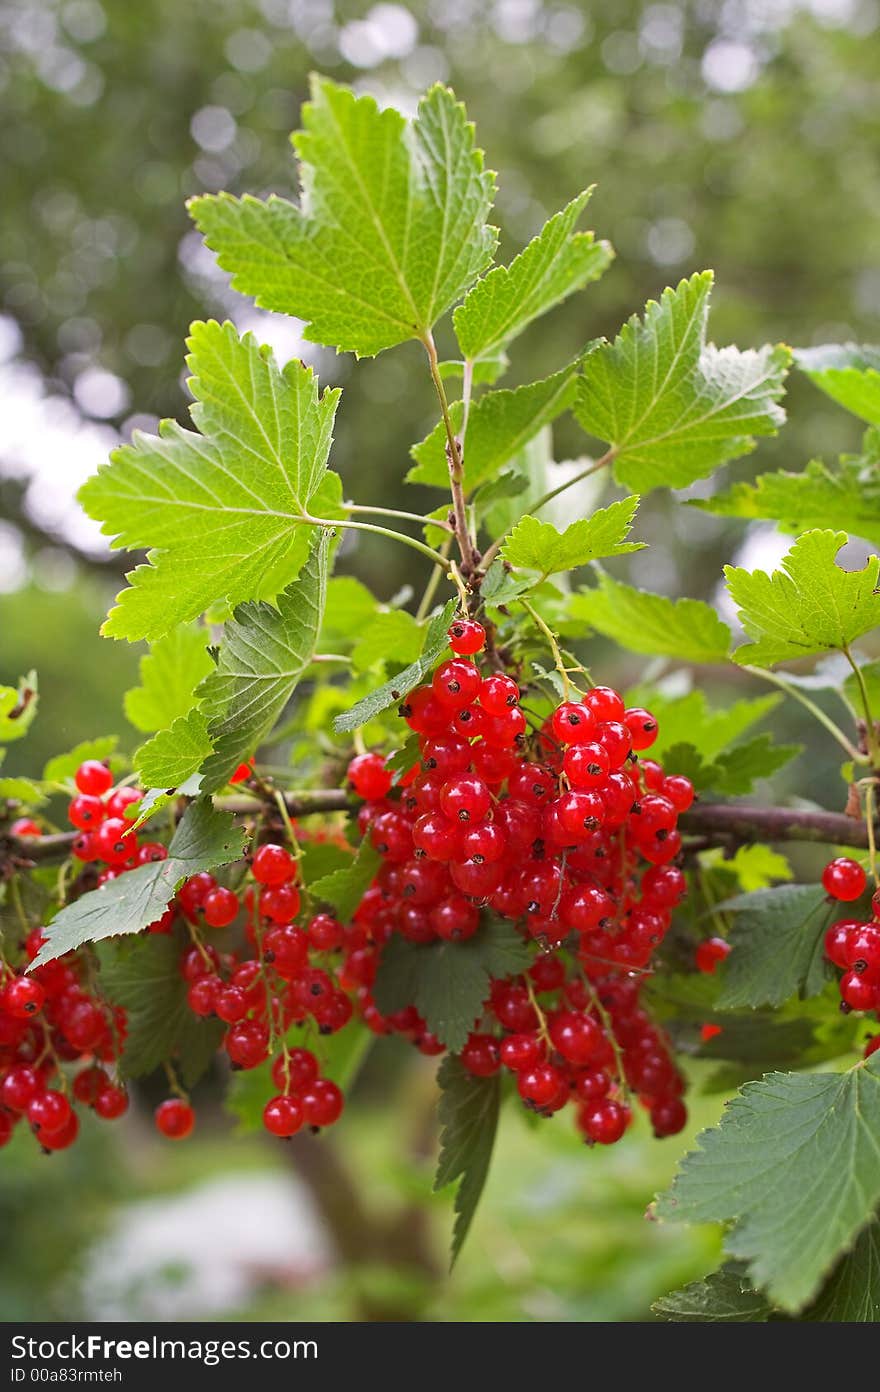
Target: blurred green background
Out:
[742,136]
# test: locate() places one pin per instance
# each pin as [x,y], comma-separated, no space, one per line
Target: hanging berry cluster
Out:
[562,830]
[853,944]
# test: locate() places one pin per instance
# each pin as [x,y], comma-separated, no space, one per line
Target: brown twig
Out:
[722,822]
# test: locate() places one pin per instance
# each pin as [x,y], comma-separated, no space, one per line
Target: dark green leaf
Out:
[723,1297]
[172,756]
[344,888]
[777,946]
[468,1115]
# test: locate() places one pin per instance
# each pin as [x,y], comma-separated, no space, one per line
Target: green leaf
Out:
[852,1295]
[391,230]
[448,982]
[344,888]
[735,771]
[350,607]
[777,946]
[500,425]
[340,1056]
[553,265]
[435,643]
[871,677]
[690,720]
[809,606]
[170,673]
[671,406]
[486,370]
[22,790]
[265,650]
[222,507]
[320,858]
[143,976]
[174,755]
[468,1116]
[537,545]
[848,373]
[757,866]
[785,1144]
[847,498]
[722,1297]
[393,636]
[18,706]
[649,623]
[204,839]
[62,767]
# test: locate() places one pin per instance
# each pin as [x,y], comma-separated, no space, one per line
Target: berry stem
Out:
[833,729]
[560,666]
[456,465]
[870,814]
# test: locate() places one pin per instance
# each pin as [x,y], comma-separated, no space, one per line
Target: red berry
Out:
[63,1137]
[273,865]
[483,845]
[175,1119]
[86,812]
[709,953]
[679,790]
[114,840]
[455,919]
[279,903]
[465,798]
[247,1043]
[123,802]
[540,1084]
[521,1051]
[572,723]
[369,777]
[299,1072]
[436,836]
[25,826]
[575,1036]
[456,683]
[642,727]
[283,1116]
[150,853]
[604,1122]
[859,992]
[23,998]
[111,1102]
[322,1103]
[844,879]
[480,1055]
[202,995]
[872,1045]
[605,703]
[19,1087]
[466,636]
[324,933]
[220,907]
[93,777]
[48,1112]
[586,766]
[243,772]
[668,1116]
[498,693]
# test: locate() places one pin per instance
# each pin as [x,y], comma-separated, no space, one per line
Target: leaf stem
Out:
[870,727]
[456,464]
[379,531]
[397,512]
[833,729]
[592,468]
[870,814]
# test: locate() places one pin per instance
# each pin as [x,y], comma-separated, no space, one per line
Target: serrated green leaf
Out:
[393,691]
[848,373]
[689,719]
[536,545]
[391,231]
[500,425]
[847,497]
[852,1293]
[344,888]
[341,1056]
[468,1116]
[62,767]
[22,790]
[777,946]
[172,756]
[222,508]
[734,771]
[204,839]
[670,405]
[553,265]
[18,706]
[810,606]
[155,800]
[723,1297]
[320,858]
[783,1145]
[648,623]
[757,866]
[265,650]
[170,673]
[448,982]
[393,636]
[143,976]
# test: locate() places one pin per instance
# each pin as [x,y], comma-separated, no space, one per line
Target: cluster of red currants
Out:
[48,1019]
[853,944]
[562,829]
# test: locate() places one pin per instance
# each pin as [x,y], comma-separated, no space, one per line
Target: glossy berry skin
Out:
[858,992]
[668,1117]
[539,1085]
[111,1102]
[498,693]
[23,998]
[325,933]
[93,777]
[586,766]
[605,703]
[466,637]
[456,683]
[521,1051]
[480,1055]
[273,865]
[283,1116]
[25,826]
[19,1087]
[279,903]
[123,803]
[86,812]
[844,879]
[642,727]
[572,723]
[709,953]
[322,1103]
[220,907]
[174,1119]
[300,1072]
[369,777]
[242,773]
[48,1112]
[114,840]
[63,1138]
[604,1122]
[575,1036]
[465,799]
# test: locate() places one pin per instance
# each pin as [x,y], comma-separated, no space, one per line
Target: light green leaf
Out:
[648,623]
[350,607]
[62,767]
[170,673]
[871,677]
[537,545]
[468,1116]
[809,606]
[671,406]
[847,497]
[776,946]
[757,866]
[391,230]
[265,650]
[500,425]
[393,636]
[553,265]
[343,889]
[848,373]
[22,790]
[18,706]
[784,1144]
[734,771]
[435,643]
[690,720]
[220,507]
[204,839]
[174,755]
[448,982]
[155,800]
[143,976]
